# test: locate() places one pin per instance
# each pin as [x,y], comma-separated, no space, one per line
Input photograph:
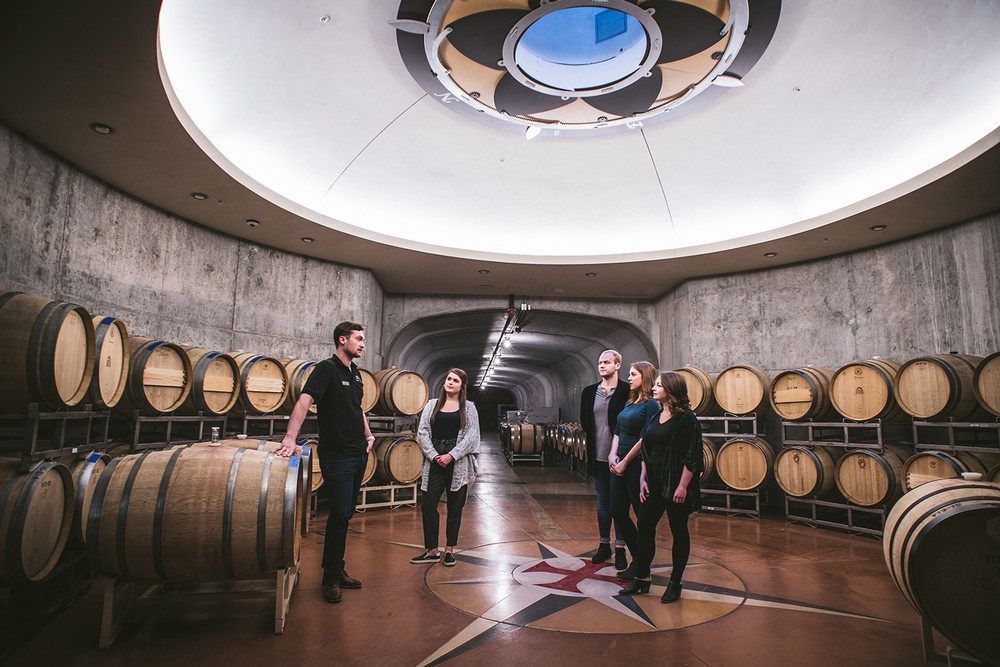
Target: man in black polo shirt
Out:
[344,443]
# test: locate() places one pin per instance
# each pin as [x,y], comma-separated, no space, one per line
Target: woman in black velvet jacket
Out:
[672,459]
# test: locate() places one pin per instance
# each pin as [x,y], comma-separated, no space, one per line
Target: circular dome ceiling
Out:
[325,109]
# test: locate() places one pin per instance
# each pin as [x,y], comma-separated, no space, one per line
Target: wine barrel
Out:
[527,439]
[370,398]
[700,389]
[263,383]
[993,474]
[107,385]
[744,463]
[215,381]
[400,392]
[932,465]
[305,450]
[159,377]
[868,478]
[196,514]
[942,547]
[938,387]
[802,393]
[36,515]
[298,371]
[85,471]
[47,352]
[740,390]
[802,472]
[986,384]
[398,459]
[711,452]
[862,391]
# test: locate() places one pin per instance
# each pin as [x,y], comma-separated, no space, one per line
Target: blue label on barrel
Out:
[293,462]
[94,456]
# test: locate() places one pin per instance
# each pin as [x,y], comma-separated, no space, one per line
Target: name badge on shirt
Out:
[346,383]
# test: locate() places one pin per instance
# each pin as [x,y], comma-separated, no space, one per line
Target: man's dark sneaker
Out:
[449,559]
[426,557]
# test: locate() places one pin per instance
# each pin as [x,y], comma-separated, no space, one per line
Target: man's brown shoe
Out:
[331,592]
[347,582]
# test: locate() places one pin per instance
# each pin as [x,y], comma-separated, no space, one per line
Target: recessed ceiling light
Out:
[102,128]
[484,271]
[591,274]
[200,196]
[770,254]
[252,223]
[307,239]
[878,228]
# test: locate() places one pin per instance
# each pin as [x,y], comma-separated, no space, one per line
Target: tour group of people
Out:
[643,440]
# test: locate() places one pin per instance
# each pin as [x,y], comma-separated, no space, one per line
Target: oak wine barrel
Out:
[700,389]
[46,352]
[298,371]
[942,547]
[159,377]
[85,472]
[802,472]
[802,393]
[745,463]
[36,515]
[370,398]
[263,383]
[710,451]
[862,391]
[527,439]
[986,384]
[867,477]
[215,381]
[401,392]
[196,514]
[305,449]
[740,390]
[938,387]
[931,465]
[398,459]
[107,384]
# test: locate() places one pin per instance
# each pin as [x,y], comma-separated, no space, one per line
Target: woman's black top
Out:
[446,426]
[669,448]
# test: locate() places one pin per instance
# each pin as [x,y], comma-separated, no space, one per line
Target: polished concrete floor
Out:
[758,592]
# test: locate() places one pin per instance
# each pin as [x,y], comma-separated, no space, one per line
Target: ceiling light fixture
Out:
[307,239]
[591,274]
[484,271]
[770,254]
[878,228]
[102,128]
[252,223]
[200,196]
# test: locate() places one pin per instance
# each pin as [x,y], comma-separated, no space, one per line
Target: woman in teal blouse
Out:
[624,457]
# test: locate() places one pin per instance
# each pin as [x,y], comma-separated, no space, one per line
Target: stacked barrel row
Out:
[202,512]
[958,387]
[944,386]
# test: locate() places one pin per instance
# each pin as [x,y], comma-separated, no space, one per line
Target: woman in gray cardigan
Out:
[448,435]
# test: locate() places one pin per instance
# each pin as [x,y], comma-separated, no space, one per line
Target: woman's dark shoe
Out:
[426,557]
[673,592]
[637,587]
[628,574]
[621,562]
[603,553]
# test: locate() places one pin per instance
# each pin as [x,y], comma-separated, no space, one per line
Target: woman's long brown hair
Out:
[461,396]
[647,372]
[677,391]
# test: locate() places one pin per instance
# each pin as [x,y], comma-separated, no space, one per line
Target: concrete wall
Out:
[70,237]
[932,294]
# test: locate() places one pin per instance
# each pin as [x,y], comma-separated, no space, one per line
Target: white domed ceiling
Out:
[848,105]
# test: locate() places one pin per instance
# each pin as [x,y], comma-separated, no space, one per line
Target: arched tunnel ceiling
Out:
[553,350]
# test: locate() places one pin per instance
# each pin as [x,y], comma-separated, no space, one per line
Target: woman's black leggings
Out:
[650,513]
